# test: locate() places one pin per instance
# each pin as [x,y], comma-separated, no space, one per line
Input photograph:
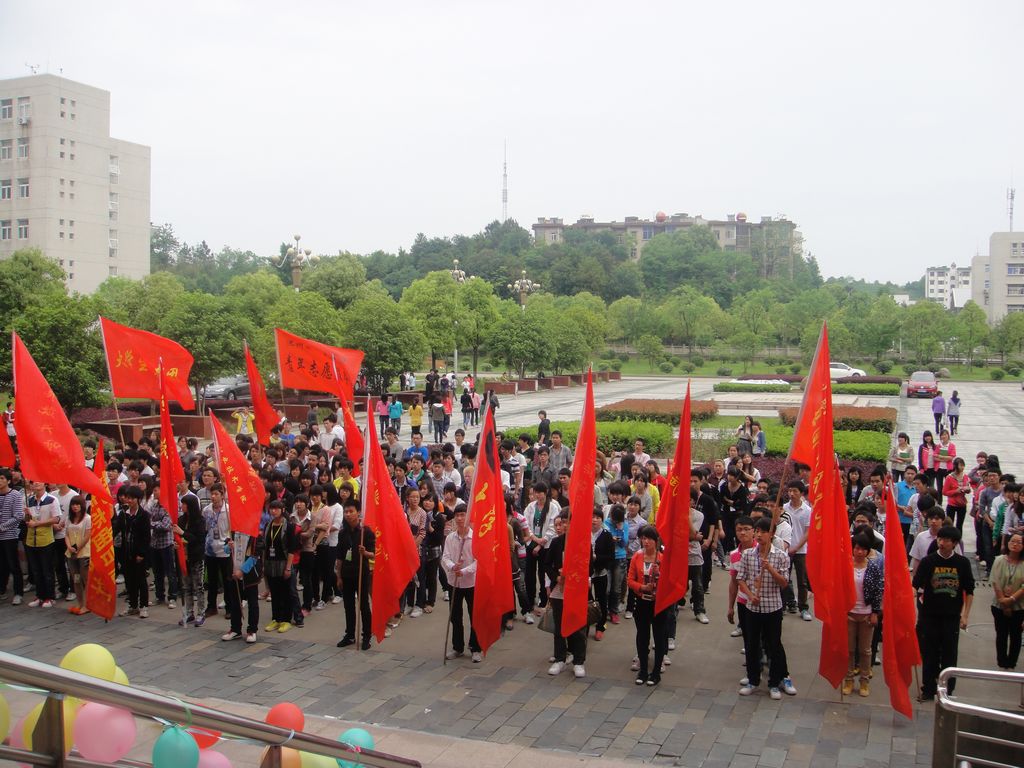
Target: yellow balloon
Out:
[5,718]
[311,760]
[90,659]
[120,677]
[32,718]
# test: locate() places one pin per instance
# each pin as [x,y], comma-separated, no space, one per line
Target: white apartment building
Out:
[66,186]
[949,286]
[999,277]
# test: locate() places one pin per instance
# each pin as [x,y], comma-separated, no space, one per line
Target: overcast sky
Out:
[888,131]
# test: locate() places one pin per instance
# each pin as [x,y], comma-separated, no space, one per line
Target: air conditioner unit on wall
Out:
[23,120]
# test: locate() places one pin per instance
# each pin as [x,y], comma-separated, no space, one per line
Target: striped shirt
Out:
[749,571]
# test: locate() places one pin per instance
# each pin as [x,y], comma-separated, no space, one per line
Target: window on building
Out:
[61,235]
[5,149]
[74,103]
[6,109]
[5,189]
[72,155]
[72,182]
[112,253]
[63,113]
[62,142]
[71,236]
[1015,269]
[5,229]
[23,148]
[71,222]
[22,187]
[23,229]
[112,270]
[1015,290]
[71,275]
[72,195]
[62,155]
[61,99]
[648,233]
[62,194]
[72,142]
[72,115]
[112,215]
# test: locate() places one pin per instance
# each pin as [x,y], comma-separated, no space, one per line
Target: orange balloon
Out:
[205,737]
[290,758]
[286,715]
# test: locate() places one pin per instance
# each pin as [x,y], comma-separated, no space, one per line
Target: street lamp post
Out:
[523,286]
[299,259]
[459,277]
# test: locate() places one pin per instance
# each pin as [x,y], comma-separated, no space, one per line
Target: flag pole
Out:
[362,526]
[110,378]
[280,377]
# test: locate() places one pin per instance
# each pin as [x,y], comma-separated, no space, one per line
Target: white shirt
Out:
[459,551]
[696,553]
[800,520]
[65,507]
[546,529]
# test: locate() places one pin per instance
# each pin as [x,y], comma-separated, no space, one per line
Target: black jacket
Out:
[348,549]
[136,534]
[194,526]
[556,556]
[603,551]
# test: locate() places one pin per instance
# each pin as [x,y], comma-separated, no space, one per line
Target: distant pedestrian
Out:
[953,411]
[938,410]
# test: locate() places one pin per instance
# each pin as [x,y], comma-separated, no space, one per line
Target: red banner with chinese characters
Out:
[674,520]
[493,595]
[171,471]
[309,365]
[101,592]
[899,634]
[576,563]
[265,417]
[48,447]
[133,357]
[245,490]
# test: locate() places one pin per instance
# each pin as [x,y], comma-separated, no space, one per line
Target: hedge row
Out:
[732,386]
[865,389]
[612,435]
[869,380]
[790,377]
[851,418]
[861,444]
[663,411]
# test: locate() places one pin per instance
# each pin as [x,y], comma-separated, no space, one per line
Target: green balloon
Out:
[175,749]
[357,737]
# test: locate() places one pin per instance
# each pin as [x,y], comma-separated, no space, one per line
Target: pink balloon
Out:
[18,738]
[210,759]
[104,734]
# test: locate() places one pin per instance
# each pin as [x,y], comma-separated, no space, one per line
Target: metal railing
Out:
[969,735]
[48,737]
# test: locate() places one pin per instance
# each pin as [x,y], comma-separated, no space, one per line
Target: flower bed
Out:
[771,468]
[865,389]
[734,386]
[851,418]
[790,377]
[611,435]
[663,411]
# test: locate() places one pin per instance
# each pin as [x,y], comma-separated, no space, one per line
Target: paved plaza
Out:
[506,710]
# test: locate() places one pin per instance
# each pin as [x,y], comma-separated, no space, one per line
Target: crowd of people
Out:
[313,551]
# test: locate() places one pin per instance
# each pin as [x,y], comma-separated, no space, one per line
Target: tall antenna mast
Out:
[1011,193]
[504,185]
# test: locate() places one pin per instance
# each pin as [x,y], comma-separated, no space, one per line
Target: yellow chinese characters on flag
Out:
[245,490]
[133,362]
[101,594]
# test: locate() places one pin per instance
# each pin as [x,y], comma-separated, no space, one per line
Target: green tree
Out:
[209,328]
[881,328]
[521,340]
[690,317]
[746,344]
[254,294]
[163,247]
[625,280]
[376,325]
[25,278]
[336,278]
[430,303]
[629,318]
[925,326]
[649,347]
[1008,335]
[971,329]
[139,303]
[477,314]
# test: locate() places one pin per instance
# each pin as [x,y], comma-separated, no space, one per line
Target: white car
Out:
[842,370]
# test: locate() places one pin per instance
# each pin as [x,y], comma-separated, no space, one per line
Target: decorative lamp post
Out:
[299,259]
[523,286]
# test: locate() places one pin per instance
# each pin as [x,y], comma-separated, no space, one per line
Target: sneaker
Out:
[221,605]
[744,681]
[446,598]
[635,666]
[200,620]
[663,668]
[345,642]
[806,615]
[671,643]
[320,605]
[598,634]
[746,689]
[266,597]
[528,618]
[172,604]
[365,644]
[388,631]
[35,603]
[790,609]
[847,686]
[629,614]
[737,632]
[71,597]
[615,618]
[272,626]
[190,619]
[428,609]
[73,609]
[787,687]
[556,668]
[477,657]
[306,612]
[653,680]
[283,627]
[640,680]
[119,579]
[453,654]
[47,604]
[230,636]
[865,687]
[16,600]
[551,660]
[416,613]
[129,611]
[775,693]
[336,599]
[578,671]
[144,613]
[667,661]
[702,618]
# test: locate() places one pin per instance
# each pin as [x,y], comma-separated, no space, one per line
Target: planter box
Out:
[527,385]
[135,427]
[546,383]
[503,387]
[614,376]
[578,378]
[560,381]
[602,375]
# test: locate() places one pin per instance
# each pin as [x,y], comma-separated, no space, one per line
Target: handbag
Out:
[547,621]
[593,612]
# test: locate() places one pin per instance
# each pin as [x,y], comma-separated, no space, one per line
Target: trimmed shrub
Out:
[487,367]
[934,367]
[464,366]
[602,366]
[794,368]
[624,357]
[724,371]
[734,386]
[689,367]
[909,368]
[675,359]
[663,411]
[1013,370]
[788,377]
[616,365]
[860,445]
[609,354]
[865,389]
[781,369]
[665,367]
[851,418]
[883,366]
[612,435]
[697,360]
[997,374]
[868,380]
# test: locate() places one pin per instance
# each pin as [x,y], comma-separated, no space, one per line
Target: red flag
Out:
[828,541]
[171,471]
[493,597]
[7,457]
[47,445]
[354,445]
[576,563]
[899,636]
[101,592]
[265,417]
[396,557]
[307,364]
[133,357]
[674,519]
[245,490]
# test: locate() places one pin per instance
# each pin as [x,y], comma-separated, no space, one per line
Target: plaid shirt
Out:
[749,570]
